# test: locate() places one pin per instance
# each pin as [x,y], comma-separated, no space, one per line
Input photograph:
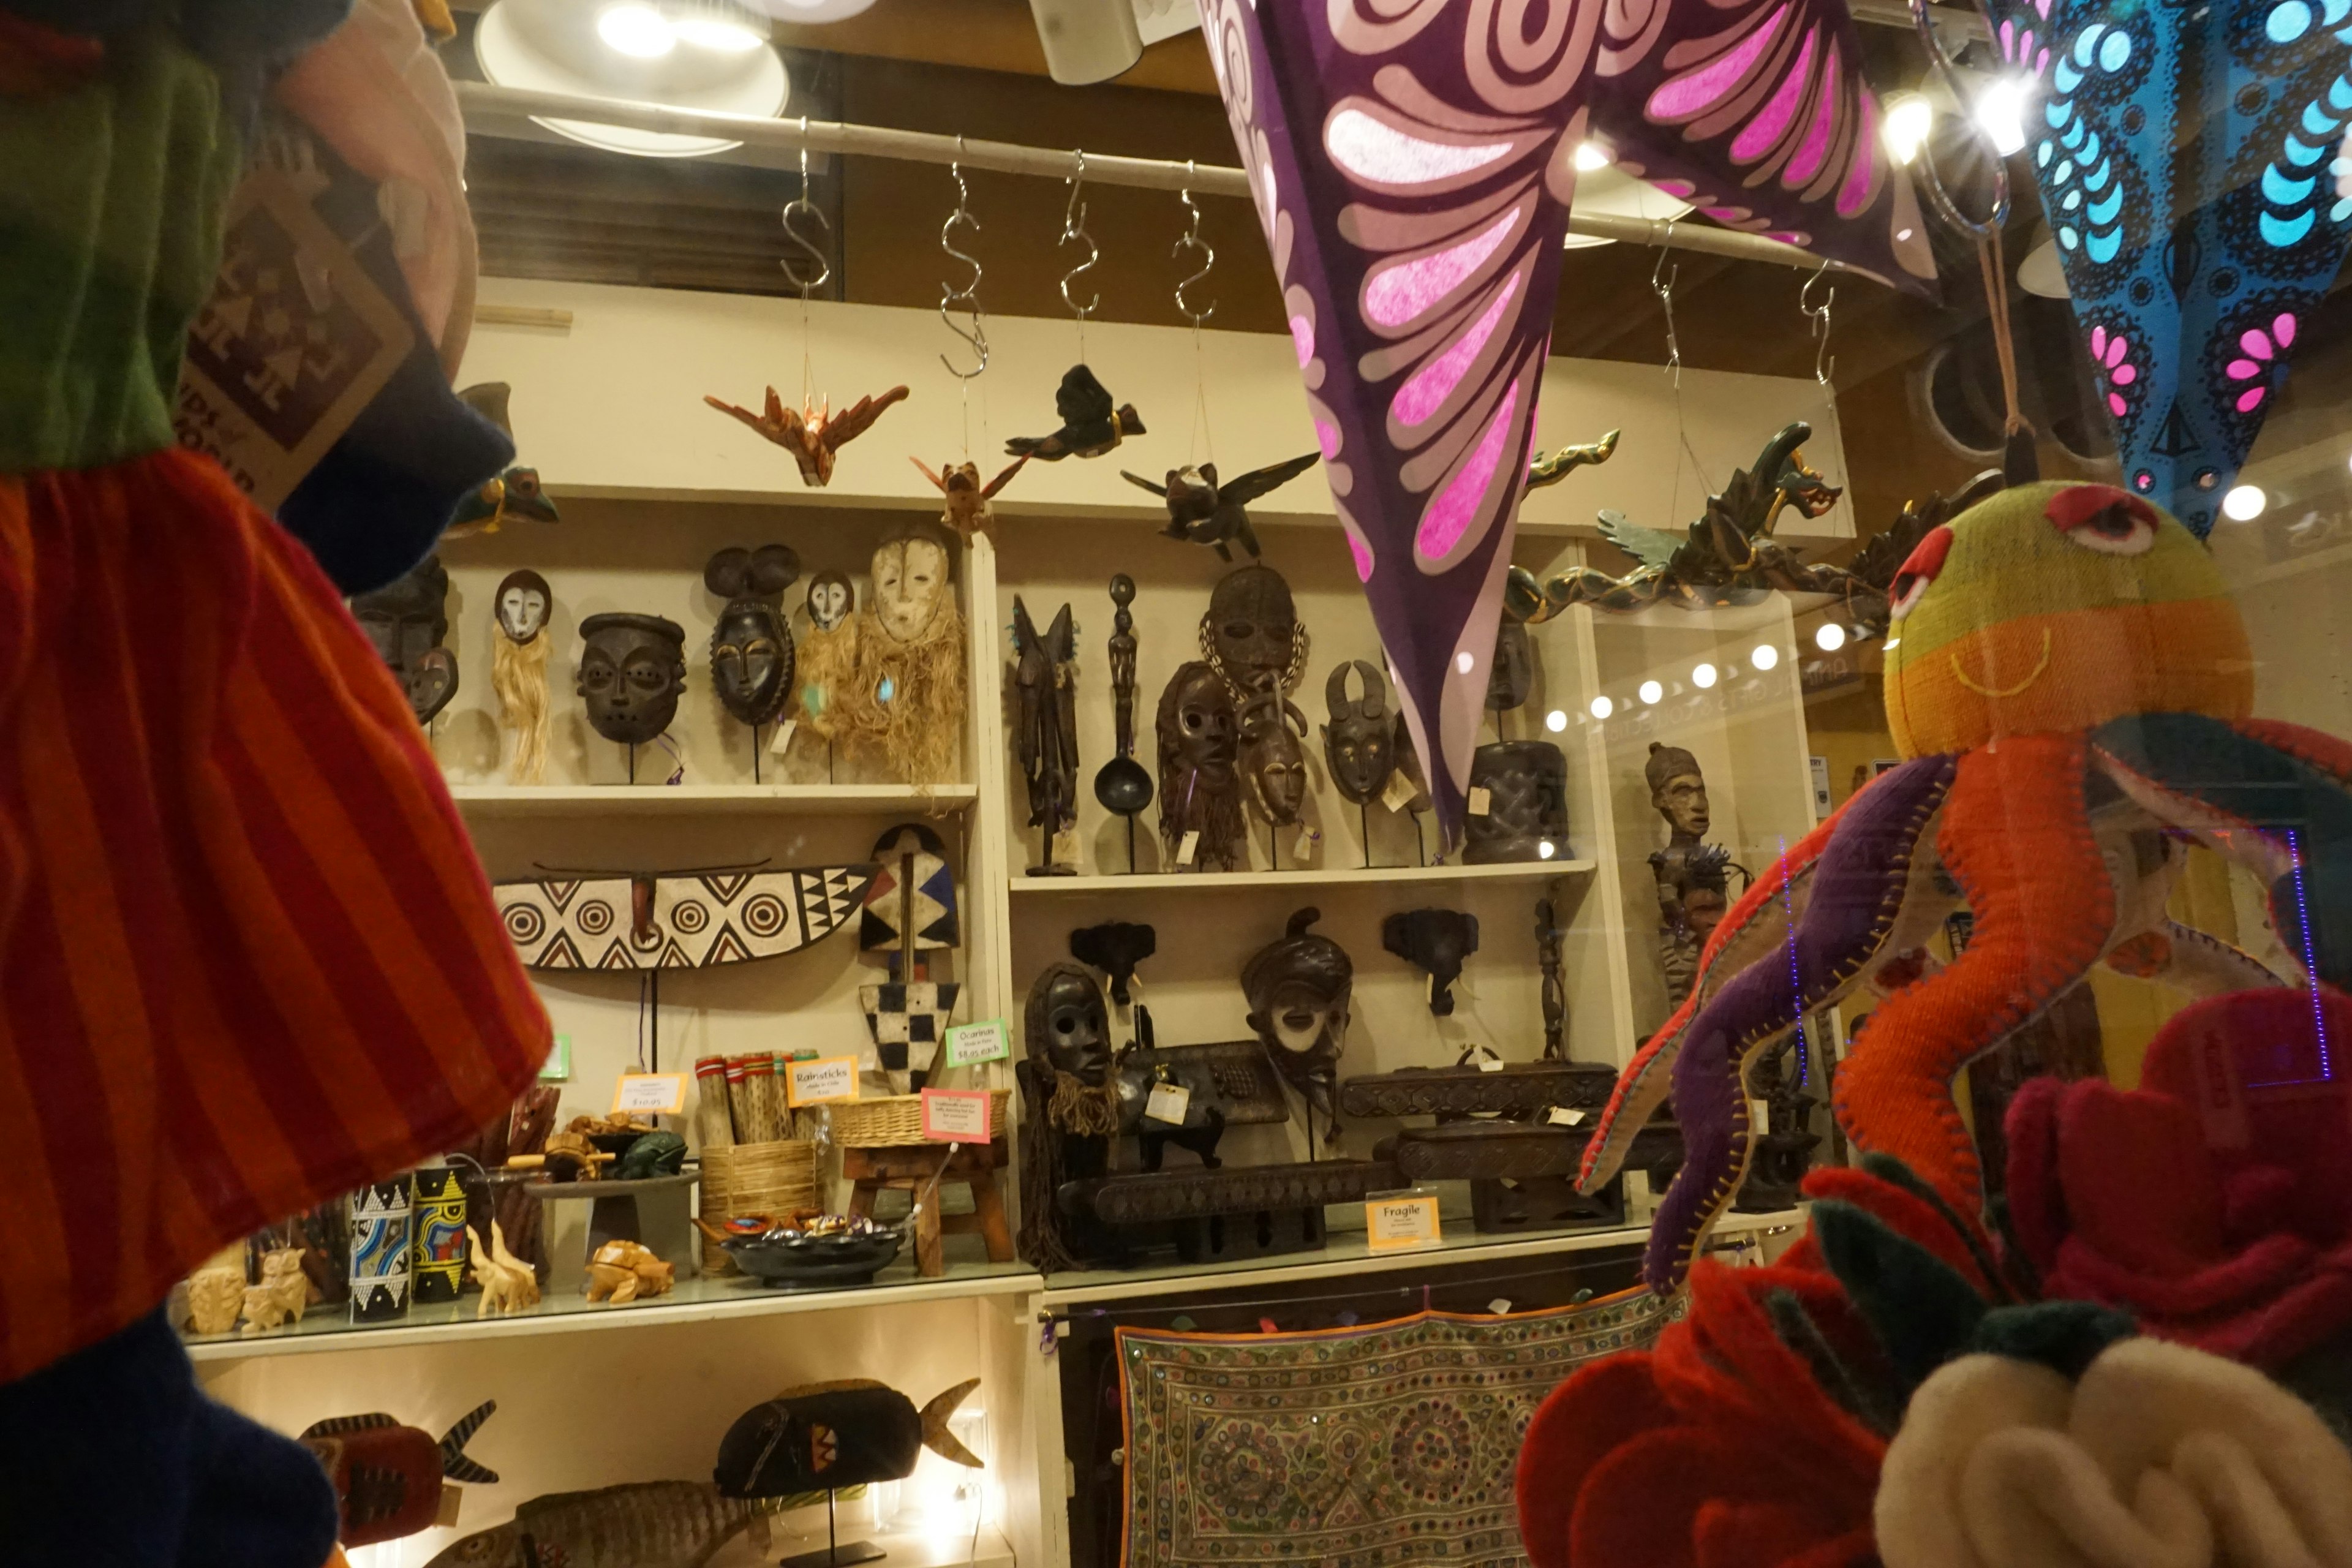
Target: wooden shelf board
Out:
[806,800]
[1349,876]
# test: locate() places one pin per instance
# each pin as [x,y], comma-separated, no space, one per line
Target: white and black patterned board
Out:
[678,923]
[909,1021]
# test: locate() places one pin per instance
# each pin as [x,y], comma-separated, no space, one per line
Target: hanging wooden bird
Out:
[811,432]
[512,495]
[1205,511]
[1090,425]
[967,512]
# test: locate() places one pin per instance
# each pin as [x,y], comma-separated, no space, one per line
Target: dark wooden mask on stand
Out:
[1300,988]
[1066,1025]
[1359,741]
[751,641]
[1200,780]
[1271,759]
[1435,940]
[631,674]
[407,620]
[1251,633]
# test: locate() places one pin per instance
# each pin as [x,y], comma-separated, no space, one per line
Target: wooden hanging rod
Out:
[487,105]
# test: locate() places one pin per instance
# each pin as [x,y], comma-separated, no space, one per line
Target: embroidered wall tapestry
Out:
[1387,1443]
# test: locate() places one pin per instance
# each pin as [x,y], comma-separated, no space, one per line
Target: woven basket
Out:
[754,1178]
[894,1120]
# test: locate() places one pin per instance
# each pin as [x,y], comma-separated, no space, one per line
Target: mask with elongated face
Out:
[1067,1025]
[631,674]
[1300,990]
[1199,784]
[1271,759]
[750,643]
[407,620]
[1359,741]
[1252,632]
[910,586]
[831,597]
[523,601]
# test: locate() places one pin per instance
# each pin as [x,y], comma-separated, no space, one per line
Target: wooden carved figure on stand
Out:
[967,498]
[1045,732]
[1123,786]
[518,669]
[1300,989]
[1200,777]
[911,660]
[509,1284]
[826,680]
[407,619]
[1692,885]
[1548,936]
[1070,1111]
[751,640]
[631,674]
[1359,741]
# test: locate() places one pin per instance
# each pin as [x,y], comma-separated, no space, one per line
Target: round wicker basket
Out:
[894,1120]
[773,1178]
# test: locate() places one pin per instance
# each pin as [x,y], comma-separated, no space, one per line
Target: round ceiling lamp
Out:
[810,11]
[709,55]
[1603,189]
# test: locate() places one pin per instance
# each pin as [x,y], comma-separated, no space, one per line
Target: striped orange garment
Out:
[247,958]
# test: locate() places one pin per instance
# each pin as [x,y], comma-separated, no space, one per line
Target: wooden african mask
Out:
[1435,940]
[407,620]
[1513,674]
[1046,727]
[827,658]
[1360,740]
[631,674]
[1527,803]
[1067,1025]
[831,598]
[1272,762]
[1300,989]
[1200,782]
[1251,633]
[750,641]
[909,696]
[519,656]
[910,586]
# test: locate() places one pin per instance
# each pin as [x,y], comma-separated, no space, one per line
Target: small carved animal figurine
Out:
[812,435]
[967,512]
[283,1292]
[623,1270]
[216,1292]
[1205,511]
[1090,427]
[509,1284]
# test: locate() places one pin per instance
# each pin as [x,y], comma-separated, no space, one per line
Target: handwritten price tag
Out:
[1393,1222]
[955,1115]
[982,1042]
[1168,1102]
[820,1079]
[649,1094]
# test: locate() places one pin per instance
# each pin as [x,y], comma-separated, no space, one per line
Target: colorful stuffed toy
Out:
[2071,683]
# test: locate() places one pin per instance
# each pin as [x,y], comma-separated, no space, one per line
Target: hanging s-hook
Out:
[1662,284]
[1074,228]
[968,297]
[1824,363]
[1191,240]
[1978,229]
[802,206]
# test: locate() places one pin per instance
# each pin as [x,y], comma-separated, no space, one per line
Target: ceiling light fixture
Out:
[2245,503]
[1909,118]
[2001,112]
[1650,693]
[629,52]
[1703,676]
[639,32]
[1603,708]
[1764,655]
[1828,637]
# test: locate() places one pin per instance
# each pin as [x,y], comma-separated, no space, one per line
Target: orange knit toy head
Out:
[2056,607]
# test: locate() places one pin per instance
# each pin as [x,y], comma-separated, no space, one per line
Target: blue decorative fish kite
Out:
[2184,155]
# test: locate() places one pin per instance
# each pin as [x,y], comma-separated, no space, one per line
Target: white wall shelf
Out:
[806,800]
[1315,876]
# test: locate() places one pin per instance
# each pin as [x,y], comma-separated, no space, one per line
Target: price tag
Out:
[1760,1115]
[1167,1103]
[1399,794]
[558,1065]
[1307,843]
[1561,1115]
[819,1079]
[649,1094]
[982,1042]
[1482,800]
[1392,1223]
[955,1115]
[1189,847]
[1490,1064]
[784,737]
[1066,847]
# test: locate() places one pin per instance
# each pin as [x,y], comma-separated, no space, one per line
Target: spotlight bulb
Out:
[1828,637]
[1703,676]
[1764,655]
[1909,118]
[2245,503]
[2000,111]
[638,31]
[1650,691]
[1603,708]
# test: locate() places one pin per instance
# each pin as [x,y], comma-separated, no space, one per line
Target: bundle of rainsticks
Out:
[2143,1353]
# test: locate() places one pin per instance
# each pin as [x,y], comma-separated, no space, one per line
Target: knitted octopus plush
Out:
[2071,685]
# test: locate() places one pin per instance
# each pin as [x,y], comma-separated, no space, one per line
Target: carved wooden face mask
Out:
[631,674]
[407,620]
[1436,940]
[752,643]
[1271,759]
[1252,632]
[1359,741]
[1197,728]
[910,584]
[523,602]
[1300,989]
[1067,1025]
[831,597]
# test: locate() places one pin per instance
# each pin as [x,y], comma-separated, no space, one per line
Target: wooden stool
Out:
[908,1168]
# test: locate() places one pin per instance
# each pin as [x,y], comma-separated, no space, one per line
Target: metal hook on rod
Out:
[1662,284]
[968,296]
[1938,196]
[802,204]
[1824,363]
[1074,228]
[1191,240]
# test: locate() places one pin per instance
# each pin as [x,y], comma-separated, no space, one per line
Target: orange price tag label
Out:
[1393,1222]
[955,1115]
[820,1078]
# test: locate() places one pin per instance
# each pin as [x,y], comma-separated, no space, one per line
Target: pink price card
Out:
[956,1116]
